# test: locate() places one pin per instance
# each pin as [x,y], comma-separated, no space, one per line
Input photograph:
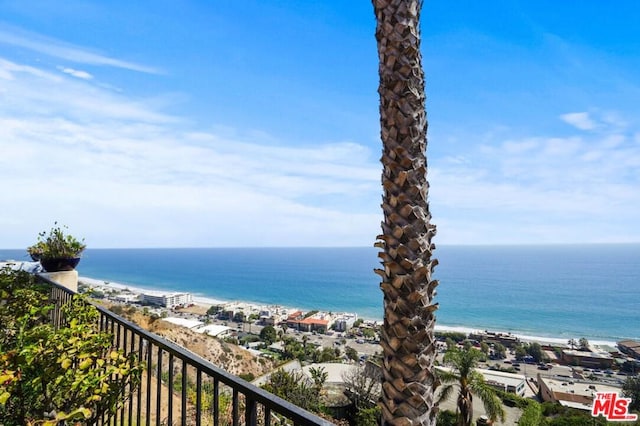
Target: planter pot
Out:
[60,264]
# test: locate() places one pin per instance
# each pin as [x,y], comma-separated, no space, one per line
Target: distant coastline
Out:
[553,293]
[209,301]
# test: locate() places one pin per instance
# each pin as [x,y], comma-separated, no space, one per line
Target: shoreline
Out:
[207,301]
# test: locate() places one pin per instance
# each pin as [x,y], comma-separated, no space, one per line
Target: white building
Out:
[345,321]
[571,392]
[214,330]
[126,298]
[167,300]
[508,382]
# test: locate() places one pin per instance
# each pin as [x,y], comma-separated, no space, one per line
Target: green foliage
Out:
[513,400]
[249,377]
[368,416]
[446,418]
[551,409]
[463,376]
[500,351]
[557,415]
[520,351]
[56,244]
[311,313]
[214,309]
[248,338]
[268,334]
[583,344]
[631,389]
[535,350]
[368,333]
[48,375]
[577,419]
[323,355]
[296,388]
[453,335]
[351,353]
[531,414]
[319,376]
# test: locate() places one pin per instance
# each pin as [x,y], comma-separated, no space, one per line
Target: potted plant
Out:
[56,250]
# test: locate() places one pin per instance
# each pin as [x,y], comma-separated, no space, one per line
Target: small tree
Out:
[268,334]
[319,376]
[535,350]
[296,388]
[500,351]
[463,375]
[214,309]
[520,352]
[631,389]
[583,344]
[484,348]
[351,353]
[363,386]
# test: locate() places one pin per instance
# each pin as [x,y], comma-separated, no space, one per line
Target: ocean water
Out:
[562,291]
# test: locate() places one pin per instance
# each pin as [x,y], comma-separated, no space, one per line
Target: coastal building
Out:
[587,359]
[630,347]
[166,300]
[570,393]
[506,339]
[184,322]
[319,322]
[215,330]
[507,382]
[267,317]
[126,297]
[345,321]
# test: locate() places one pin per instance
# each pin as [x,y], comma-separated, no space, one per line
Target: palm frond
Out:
[492,404]
[445,393]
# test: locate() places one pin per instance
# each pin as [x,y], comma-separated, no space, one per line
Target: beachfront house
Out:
[587,359]
[630,347]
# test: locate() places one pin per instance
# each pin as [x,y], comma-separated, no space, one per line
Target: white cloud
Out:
[122,173]
[579,120]
[76,73]
[541,190]
[18,37]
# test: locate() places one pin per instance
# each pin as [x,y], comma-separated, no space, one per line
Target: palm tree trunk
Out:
[465,405]
[407,339]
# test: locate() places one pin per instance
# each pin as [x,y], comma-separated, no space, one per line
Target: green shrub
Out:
[50,375]
[532,415]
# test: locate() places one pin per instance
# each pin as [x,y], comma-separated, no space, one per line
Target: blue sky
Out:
[255,123]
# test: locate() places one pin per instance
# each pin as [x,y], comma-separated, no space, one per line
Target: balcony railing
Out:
[180,388]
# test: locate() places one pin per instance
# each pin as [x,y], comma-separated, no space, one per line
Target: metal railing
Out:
[179,387]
